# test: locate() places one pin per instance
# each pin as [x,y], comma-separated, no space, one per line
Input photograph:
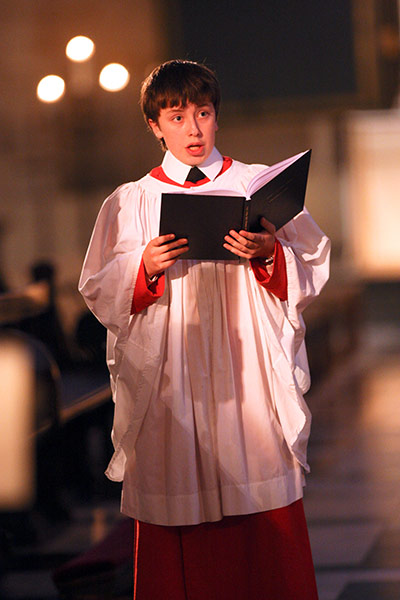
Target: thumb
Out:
[270,227]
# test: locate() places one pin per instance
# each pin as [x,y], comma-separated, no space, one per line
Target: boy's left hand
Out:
[252,245]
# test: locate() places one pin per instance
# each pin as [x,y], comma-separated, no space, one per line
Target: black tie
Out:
[195,175]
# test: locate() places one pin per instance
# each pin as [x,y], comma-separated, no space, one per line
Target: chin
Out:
[198,158]
[194,162]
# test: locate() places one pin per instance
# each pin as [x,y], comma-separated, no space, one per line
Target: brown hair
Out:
[178,83]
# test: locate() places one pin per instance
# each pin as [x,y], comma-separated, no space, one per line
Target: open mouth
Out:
[195,147]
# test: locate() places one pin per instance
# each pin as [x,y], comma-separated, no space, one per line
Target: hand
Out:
[252,245]
[162,252]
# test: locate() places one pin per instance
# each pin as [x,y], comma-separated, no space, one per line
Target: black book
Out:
[276,193]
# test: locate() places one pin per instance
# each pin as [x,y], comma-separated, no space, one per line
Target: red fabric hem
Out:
[144,296]
[263,555]
[275,282]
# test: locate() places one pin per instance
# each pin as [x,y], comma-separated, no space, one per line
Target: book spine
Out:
[246,211]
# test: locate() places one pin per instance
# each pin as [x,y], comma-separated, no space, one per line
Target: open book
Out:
[276,193]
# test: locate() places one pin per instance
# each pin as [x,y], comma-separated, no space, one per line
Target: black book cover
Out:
[281,198]
[277,193]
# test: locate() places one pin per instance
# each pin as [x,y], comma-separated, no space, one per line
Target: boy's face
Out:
[188,131]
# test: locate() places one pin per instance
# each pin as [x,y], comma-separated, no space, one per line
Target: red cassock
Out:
[264,556]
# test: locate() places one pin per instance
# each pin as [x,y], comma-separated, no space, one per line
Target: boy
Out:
[208,368]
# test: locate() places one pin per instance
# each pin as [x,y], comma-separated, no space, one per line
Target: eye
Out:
[203,113]
[177,118]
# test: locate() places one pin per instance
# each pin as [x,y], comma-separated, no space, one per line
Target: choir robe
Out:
[208,381]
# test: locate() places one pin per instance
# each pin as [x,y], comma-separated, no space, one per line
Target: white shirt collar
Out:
[178,171]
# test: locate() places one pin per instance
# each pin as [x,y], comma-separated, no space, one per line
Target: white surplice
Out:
[208,381]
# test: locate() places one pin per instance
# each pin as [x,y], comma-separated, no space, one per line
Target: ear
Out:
[155,129]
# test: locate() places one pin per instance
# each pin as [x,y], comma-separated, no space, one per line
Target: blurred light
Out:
[17,468]
[79,48]
[114,77]
[51,88]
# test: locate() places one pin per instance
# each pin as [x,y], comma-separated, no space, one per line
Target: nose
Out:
[193,127]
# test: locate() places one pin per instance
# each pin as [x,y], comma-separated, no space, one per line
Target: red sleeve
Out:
[276,282]
[144,296]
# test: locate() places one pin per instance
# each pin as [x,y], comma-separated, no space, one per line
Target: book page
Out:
[269,173]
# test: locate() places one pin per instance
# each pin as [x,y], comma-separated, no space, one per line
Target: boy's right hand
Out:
[162,252]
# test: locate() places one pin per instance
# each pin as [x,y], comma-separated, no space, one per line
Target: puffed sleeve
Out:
[307,254]
[112,261]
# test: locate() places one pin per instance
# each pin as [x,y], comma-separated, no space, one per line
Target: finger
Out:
[169,263]
[180,250]
[182,242]
[270,227]
[171,254]
[246,251]
[175,244]
[162,239]
[236,239]
[260,239]
[165,260]
[236,251]
[255,239]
